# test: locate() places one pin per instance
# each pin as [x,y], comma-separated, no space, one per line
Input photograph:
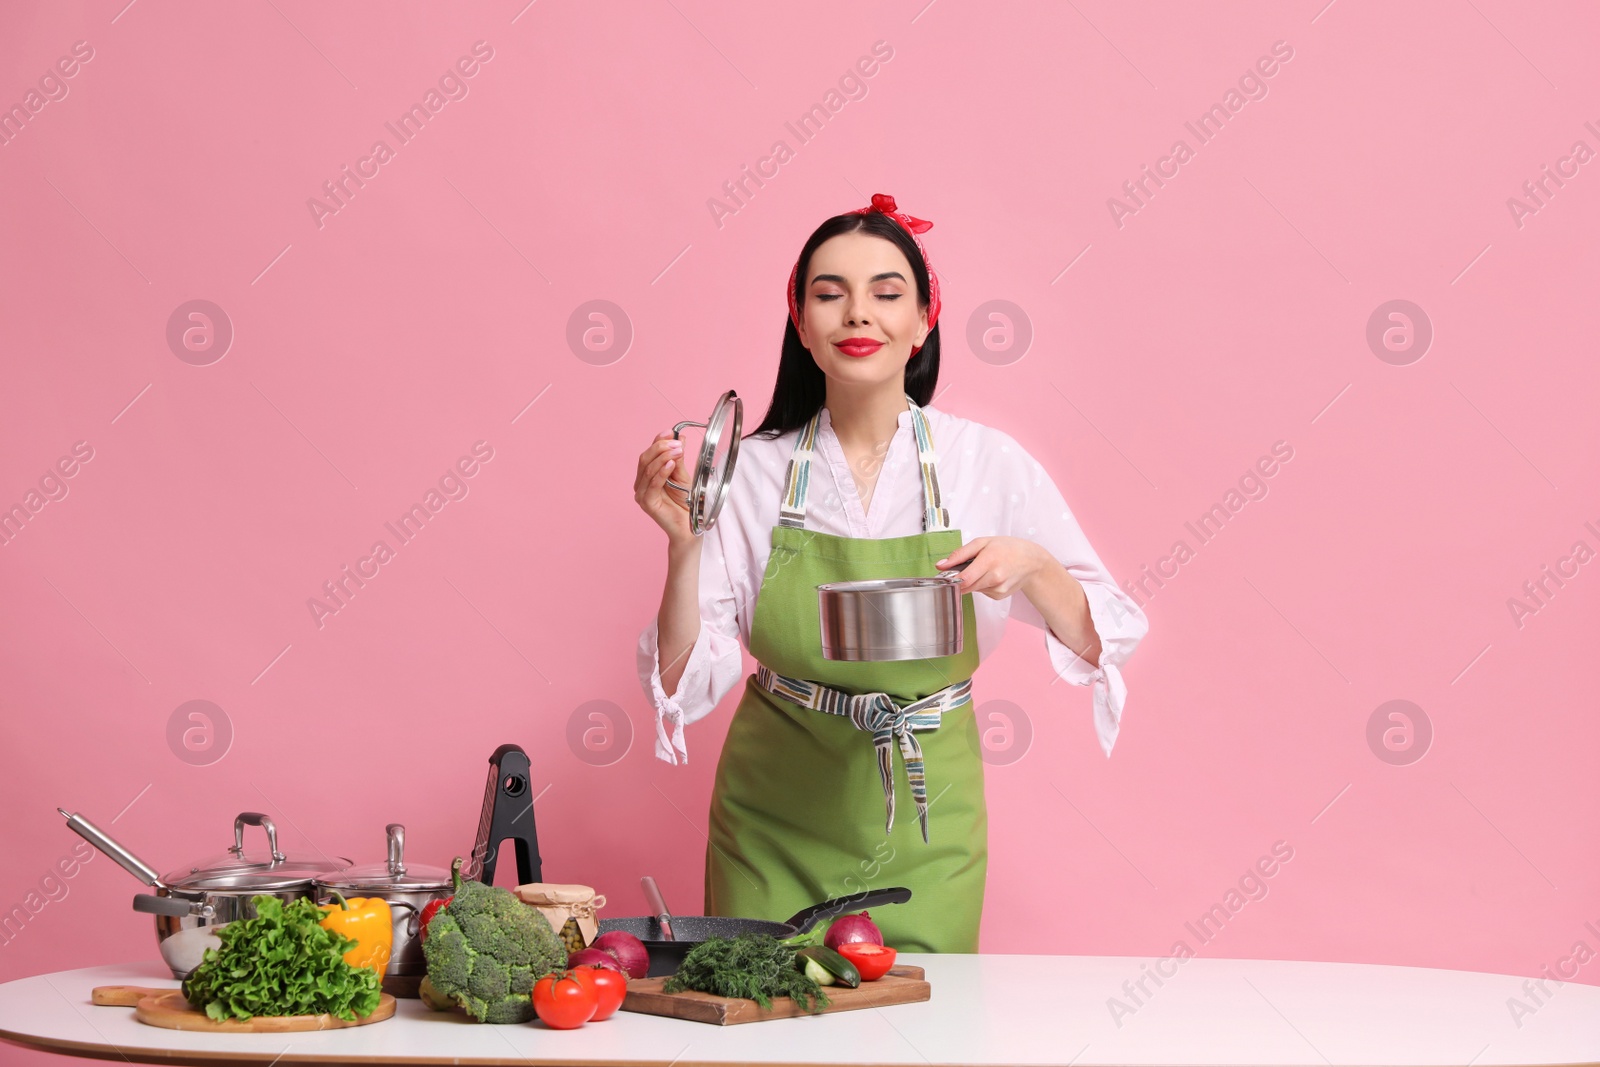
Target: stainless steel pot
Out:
[882,619]
[407,889]
[191,903]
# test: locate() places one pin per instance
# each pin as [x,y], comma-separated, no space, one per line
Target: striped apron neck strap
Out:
[935,516]
[797,480]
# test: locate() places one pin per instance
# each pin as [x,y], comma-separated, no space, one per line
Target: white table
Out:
[986,1009]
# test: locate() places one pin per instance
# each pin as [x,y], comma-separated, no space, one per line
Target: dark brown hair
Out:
[801,387]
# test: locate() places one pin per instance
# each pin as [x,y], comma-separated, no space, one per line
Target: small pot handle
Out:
[255,818]
[955,572]
[173,906]
[413,921]
[869,898]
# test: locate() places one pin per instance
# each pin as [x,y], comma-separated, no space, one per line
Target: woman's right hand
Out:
[664,504]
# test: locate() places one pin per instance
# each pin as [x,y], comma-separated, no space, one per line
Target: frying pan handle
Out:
[870,898]
[658,904]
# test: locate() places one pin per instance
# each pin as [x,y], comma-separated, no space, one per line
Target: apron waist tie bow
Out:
[879,715]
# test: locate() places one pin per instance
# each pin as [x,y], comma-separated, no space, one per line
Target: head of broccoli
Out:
[486,949]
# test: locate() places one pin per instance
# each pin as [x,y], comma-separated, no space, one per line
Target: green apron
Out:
[798,809]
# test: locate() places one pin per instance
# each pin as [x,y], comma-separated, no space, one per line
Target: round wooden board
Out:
[172,1012]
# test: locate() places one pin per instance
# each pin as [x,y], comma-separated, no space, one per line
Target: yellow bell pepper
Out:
[369,922]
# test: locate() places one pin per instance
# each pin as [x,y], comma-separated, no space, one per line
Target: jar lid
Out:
[393,874]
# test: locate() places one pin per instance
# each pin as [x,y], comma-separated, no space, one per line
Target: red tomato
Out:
[873,961]
[429,910]
[564,1002]
[611,987]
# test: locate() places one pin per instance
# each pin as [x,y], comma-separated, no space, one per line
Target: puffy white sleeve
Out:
[714,664]
[1035,510]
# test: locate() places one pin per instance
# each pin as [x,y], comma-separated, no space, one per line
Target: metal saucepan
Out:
[408,889]
[689,930]
[713,470]
[191,903]
[882,619]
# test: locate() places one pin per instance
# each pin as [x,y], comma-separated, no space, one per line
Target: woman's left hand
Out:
[1000,565]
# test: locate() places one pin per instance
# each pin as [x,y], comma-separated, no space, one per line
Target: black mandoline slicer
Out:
[507,814]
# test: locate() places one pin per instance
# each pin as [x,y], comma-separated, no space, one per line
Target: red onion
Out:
[595,957]
[850,929]
[628,950]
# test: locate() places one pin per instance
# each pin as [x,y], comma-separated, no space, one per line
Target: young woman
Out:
[854,475]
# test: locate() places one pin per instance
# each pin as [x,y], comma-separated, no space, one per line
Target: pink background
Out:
[1230,312]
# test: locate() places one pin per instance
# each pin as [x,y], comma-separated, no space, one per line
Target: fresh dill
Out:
[756,966]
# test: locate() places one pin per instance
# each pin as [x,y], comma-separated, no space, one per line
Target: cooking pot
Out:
[191,903]
[408,889]
[882,619]
[668,938]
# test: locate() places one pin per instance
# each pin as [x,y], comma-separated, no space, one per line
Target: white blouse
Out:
[991,486]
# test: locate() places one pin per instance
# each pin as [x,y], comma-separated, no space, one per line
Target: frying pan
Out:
[690,930]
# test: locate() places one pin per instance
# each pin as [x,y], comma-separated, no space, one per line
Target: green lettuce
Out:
[281,962]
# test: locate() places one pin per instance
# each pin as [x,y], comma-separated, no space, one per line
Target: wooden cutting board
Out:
[167,1008]
[902,985]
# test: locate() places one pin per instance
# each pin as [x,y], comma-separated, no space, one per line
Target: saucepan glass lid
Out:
[713,469]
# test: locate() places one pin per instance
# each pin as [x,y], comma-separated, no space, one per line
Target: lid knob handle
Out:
[397,849]
[255,818]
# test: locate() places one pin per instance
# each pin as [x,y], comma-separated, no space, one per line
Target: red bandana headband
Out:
[884,203]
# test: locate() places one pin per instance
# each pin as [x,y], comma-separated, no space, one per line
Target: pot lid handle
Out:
[255,818]
[397,849]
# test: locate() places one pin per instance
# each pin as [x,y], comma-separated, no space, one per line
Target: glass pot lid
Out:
[238,869]
[391,875]
[260,880]
[713,469]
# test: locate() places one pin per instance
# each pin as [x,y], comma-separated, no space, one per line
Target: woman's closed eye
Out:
[881,296]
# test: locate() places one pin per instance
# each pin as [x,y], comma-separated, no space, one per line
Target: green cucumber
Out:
[815,971]
[837,968]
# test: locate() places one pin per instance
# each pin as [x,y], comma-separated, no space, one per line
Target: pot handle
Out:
[100,840]
[869,898]
[413,921]
[173,906]
[255,818]
[955,572]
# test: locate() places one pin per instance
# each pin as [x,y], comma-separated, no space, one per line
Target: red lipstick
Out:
[858,347]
